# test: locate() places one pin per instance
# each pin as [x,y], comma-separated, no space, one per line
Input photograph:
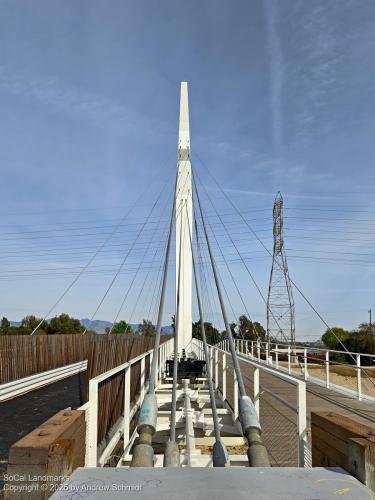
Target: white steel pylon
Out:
[184,218]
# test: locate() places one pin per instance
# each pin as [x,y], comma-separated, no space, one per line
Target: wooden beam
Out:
[41,460]
[340,441]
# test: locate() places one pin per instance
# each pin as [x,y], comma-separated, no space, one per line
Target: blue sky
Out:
[282,98]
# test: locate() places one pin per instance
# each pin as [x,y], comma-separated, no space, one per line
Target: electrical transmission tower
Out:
[280,303]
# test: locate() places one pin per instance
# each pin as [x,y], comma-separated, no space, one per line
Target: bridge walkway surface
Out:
[279,422]
[21,415]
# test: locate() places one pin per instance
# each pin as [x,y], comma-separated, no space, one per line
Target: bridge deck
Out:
[279,423]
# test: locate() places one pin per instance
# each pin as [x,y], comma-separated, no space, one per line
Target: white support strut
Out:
[184,217]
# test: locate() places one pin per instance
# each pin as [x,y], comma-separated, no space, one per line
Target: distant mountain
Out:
[167,330]
[15,323]
[99,326]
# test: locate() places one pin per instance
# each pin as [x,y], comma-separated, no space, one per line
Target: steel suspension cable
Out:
[257,452]
[292,281]
[233,280]
[96,253]
[137,271]
[143,455]
[124,260]
[205,348]
[227,296]
[243,261]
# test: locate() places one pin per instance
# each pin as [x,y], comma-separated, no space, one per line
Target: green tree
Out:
[5,323]
[18,330]
[146,328]
[260,331]
[361,341]
[121,327]
[64,324]
[332,337]
[213,336]
[31,322]
[365,327]
[250,330]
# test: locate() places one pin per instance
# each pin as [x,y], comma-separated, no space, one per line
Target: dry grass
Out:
[341,375]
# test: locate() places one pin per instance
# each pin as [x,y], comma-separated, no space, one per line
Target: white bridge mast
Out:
[184,219]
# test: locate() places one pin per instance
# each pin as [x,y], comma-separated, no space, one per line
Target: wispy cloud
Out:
[64,98]
[276,73]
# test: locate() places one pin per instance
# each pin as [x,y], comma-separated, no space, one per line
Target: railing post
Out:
[258,349]
[160,362]
[327,369]
[302,424]
[289,366]
[235,395]
[143,373]
[127,375]
[359,378]
[267,353]
[252,349]
[256,390]
[151,356]
[277,357]
[92,425]
[305,364]
[216,369]
[211,363]
[224,376]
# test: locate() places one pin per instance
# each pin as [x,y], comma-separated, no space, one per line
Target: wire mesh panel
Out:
[230,383]
[278,419]
[279,431]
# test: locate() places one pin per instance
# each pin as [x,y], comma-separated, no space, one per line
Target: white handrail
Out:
[300,385]
[270,348]
[22,385]
[123,425]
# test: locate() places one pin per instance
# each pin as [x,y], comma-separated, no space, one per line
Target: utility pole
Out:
[370,320]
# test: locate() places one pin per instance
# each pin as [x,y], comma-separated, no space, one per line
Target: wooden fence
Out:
[106,354]
[21,355]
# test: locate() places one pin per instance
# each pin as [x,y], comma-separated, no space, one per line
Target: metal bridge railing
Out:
[279,399]
[97,454]
[350,373]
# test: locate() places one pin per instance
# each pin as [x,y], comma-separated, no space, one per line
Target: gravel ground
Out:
[347,379]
